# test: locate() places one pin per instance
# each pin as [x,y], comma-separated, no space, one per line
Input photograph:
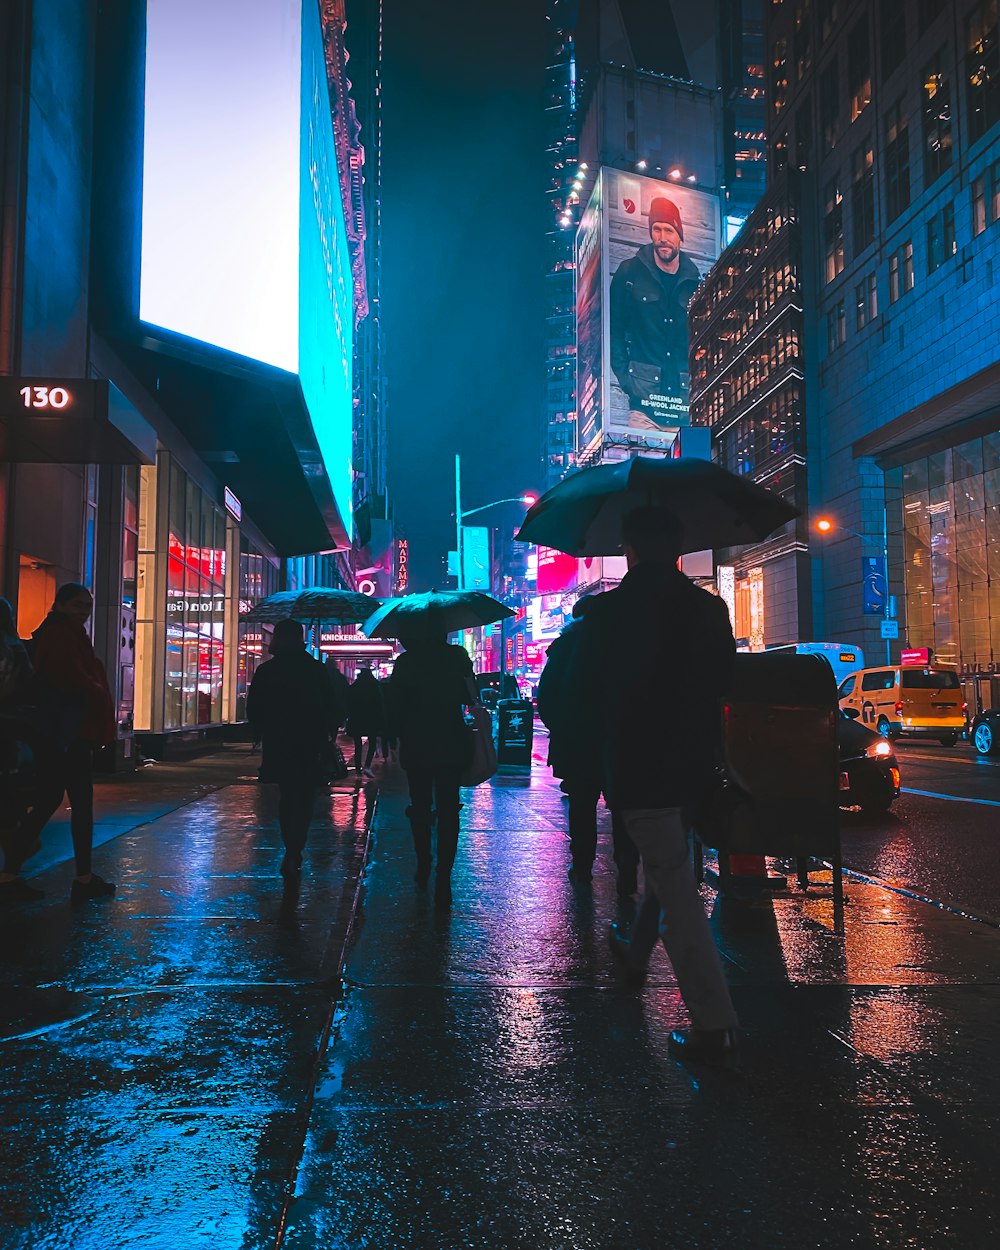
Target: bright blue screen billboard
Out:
[244,244]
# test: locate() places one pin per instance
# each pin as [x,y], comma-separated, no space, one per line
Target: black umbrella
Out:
[582,515]
[437,610]
[315,603]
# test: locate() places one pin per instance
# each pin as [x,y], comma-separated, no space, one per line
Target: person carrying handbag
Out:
[431,683]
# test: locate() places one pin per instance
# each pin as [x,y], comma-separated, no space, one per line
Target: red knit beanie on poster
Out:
[666,211]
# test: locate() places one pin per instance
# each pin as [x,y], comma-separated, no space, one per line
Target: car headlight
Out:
[879,749]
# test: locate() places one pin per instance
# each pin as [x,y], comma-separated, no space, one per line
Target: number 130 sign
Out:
[39,397]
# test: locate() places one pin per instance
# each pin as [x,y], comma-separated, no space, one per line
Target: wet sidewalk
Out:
[478,1080]
[159,1048]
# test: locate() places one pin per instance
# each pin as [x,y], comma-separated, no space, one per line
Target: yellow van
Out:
[906,699]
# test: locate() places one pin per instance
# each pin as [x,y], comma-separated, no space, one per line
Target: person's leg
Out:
[421,785]
[357,753]
[662,841]
[583,793]
[626,856]
[79,778]
[296,801]
[448,807]
[372,744]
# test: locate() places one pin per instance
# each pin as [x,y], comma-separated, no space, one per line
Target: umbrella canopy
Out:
[582,515]
[435,611]
[314,603]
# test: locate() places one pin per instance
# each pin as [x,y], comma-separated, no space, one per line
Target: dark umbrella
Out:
[314,603]
[582,515]
[437,610]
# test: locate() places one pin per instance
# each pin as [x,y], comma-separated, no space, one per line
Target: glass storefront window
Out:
[952,553]
[195,606]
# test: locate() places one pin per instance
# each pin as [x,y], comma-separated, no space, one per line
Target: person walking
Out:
[365,718]
[660,726]
[292,708]
[574,755]
[80,716]
[389,742]
[339,685]
[431,682]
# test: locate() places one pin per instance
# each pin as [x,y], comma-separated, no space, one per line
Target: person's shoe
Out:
[291,865]
[96,887]
[707,1044]
[621,953]
[579,876]
[442,894]
[18,891]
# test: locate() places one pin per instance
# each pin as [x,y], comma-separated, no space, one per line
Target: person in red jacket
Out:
[82,718]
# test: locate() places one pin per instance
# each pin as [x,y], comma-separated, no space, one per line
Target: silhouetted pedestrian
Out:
[80,716]
[365,717]
[291,708]
[431,682]
[574,755]
[389,742]
[660,725]
[340,687]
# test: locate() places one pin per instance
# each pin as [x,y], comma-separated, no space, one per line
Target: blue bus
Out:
[843,657]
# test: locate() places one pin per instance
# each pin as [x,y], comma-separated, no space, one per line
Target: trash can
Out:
[515,729]
[780,738]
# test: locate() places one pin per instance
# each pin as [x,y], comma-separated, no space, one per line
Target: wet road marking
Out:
[949,759]
[954,798]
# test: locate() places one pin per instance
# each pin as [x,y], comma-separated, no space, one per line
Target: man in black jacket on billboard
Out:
[659,722]
[650,293]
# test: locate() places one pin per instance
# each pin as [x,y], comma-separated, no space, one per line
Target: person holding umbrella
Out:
[291,707]
[430,685]
[659,724]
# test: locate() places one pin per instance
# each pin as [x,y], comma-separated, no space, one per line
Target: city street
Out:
[942,835]
[206,1060]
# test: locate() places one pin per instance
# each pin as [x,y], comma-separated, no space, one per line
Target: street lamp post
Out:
[826,525]
[460,515]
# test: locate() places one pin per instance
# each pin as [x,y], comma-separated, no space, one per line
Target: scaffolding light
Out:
[675,173]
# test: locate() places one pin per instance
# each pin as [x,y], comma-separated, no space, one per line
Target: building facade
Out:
[888,111]
[210,439]
[748,389]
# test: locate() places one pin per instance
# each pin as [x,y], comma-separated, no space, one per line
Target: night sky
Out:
[463,256]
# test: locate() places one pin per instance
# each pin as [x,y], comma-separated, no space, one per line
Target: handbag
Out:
[724,812]
[483,760]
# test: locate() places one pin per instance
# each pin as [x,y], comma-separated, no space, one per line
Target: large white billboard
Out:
[643,246]
[244,245]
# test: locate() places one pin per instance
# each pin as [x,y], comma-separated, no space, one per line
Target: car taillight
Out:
[965,709]
[899,709]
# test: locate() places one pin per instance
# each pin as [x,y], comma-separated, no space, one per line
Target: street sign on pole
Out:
[890,629]
[875,585]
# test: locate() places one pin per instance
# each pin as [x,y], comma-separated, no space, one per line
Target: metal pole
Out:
[885,558]
[458,519]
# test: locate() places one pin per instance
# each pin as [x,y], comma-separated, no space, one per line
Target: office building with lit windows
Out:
[882,120]
[748,388]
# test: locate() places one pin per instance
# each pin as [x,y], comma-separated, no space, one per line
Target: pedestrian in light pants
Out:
[673,897]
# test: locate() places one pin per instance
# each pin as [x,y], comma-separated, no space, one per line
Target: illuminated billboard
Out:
[244,245]
[643,247]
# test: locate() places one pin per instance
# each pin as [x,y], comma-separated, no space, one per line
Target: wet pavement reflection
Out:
[206,1061]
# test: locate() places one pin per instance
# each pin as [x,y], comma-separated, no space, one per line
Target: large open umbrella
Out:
[315,603]
[437,610]
[582,515]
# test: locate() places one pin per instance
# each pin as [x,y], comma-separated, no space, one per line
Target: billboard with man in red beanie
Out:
[658,240]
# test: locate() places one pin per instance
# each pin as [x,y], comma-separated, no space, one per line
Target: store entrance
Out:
[36,589]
